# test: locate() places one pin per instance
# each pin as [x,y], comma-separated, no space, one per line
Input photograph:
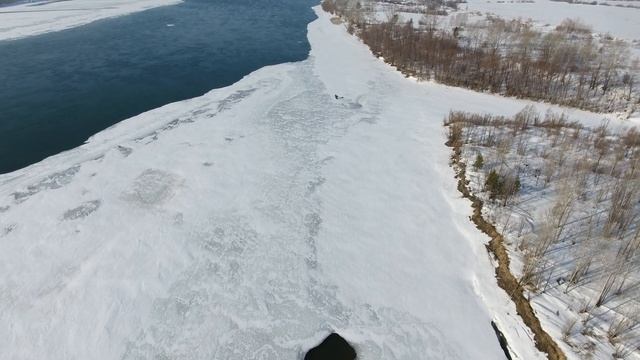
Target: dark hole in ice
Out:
[334,347]
[502,340]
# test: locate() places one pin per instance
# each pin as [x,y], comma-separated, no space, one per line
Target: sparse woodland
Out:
[567,66]
[567,201]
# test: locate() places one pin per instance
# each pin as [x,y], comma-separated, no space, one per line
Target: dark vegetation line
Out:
[506,280]
[504,344]
[566,66]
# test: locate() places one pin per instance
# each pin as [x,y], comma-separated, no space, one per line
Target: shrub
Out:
[479,163]
[494,185]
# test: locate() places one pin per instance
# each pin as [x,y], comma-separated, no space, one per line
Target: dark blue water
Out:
[58,89]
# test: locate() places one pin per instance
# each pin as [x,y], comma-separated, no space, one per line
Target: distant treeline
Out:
[565,66]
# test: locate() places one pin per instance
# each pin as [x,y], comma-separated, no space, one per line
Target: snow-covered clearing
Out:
[619,22]
[30,19]
[251,221]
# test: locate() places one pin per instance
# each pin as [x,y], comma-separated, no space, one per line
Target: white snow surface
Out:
[620,22]
[37,18]
[251,221]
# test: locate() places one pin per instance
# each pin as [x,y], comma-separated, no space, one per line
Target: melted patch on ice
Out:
[152,187]
[124,150]
[82,211]
[53,181]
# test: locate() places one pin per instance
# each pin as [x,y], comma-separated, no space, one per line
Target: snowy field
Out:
[36,18]
[619,22]
[250,222]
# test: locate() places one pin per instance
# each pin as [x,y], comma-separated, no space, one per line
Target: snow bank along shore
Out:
[254,220]
[30,19]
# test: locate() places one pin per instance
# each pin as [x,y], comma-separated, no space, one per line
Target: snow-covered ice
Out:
[36,18]
[249,222]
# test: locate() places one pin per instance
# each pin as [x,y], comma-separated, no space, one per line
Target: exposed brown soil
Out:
[506,280]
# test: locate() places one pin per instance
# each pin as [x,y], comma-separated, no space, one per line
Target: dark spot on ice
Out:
[8,229]
[152,187]
[354,105]
[326,160]
[125,151]
[334,347]
[207,163]
[53,181]
[312,222]
[4,208]
[199,111]
[311,262]
[226,103]
[178,219]
[229,139]
[502,340]
[369,120]
[82,211]
[312,186]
